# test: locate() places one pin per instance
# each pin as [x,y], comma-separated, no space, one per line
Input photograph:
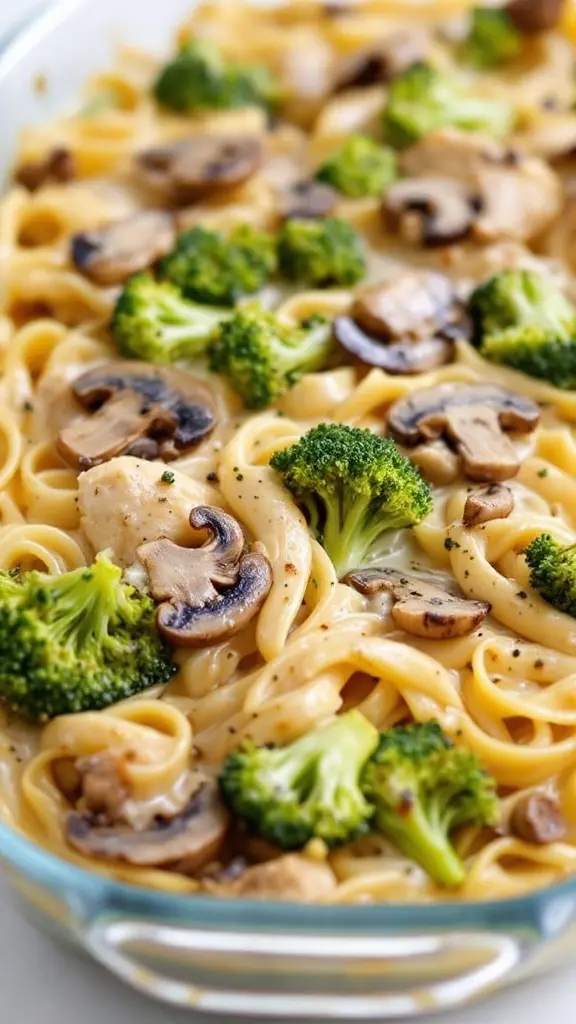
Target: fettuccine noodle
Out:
[507,691]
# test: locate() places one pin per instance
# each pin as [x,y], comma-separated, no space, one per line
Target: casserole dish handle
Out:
[306,976]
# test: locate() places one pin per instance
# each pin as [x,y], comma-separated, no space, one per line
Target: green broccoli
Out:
[354,486]
[153,322]
[76,642]
[423,99]
[309,789]
[522,319]
[210,268]
[263,357]
[198,78]
[553,572]
[493,39]
[360,168]
[423,788]
[321,253]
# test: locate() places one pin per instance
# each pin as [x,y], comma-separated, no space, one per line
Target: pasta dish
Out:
[287,458]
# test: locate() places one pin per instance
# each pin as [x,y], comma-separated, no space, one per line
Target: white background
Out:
[42,983]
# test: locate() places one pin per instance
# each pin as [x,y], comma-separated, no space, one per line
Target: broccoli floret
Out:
[321,253]
[354,486]
[210,268]
[422,789]
[361,168]
[198,78]
[493,39]
[263,357]
[522,319]
[422,99]
[309,789]
[76,642]
[153,322]
[553,572]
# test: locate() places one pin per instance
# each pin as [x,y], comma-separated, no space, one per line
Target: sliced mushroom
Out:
[402,357]
[537,819]
[184,842]
[515,196]
[59,166]
[200,166]
[113,253]
[473,418]
[207,593]
[383,60]
[413,305]
[308,199]
[396,324]
[431,211]
[133,402]
[487,503]
[534,16]
[421,608]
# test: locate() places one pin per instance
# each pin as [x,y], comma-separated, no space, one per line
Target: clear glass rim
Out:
[35,863]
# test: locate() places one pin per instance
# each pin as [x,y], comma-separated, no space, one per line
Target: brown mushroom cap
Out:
[495,501]
[194,612]
[421,608]
[413,305]
[393,323]
[535,16]
[382,60]
[59,166]
[113,253]
[154,412]
[537,819]
[307,199]
[185,842]
[402,357]
[430,211]
[200,166]
[473,418]
[437,462]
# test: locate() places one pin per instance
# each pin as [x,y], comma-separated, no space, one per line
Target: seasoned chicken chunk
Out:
[125,503]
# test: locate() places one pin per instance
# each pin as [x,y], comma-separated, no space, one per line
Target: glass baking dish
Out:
[246,958]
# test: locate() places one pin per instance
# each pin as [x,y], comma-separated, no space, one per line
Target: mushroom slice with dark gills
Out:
[111,254]
[431,211]
[136,409]
[201,166]
[538,819]
[59,167]
[208,593]
[421,608]
[485,504]
[307,200]
[184,842]
[399,324]
[473,418]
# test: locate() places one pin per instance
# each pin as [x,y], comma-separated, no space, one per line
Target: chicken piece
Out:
[291,877]
[518,195]
[125,503]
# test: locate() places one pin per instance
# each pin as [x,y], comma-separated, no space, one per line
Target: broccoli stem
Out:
[349,533]
[422,836]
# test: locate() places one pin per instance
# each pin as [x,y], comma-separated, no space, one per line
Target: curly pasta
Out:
[317,647]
